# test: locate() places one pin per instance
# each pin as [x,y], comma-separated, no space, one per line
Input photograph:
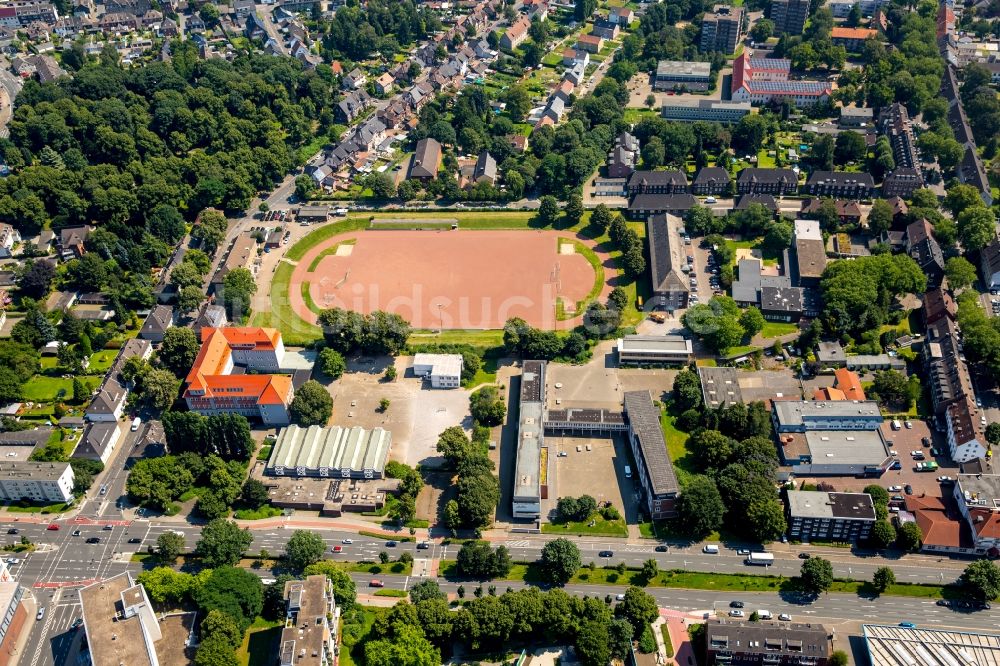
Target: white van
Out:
[136,422]
[896,424]
[711,549]
[764,614]
[628,472]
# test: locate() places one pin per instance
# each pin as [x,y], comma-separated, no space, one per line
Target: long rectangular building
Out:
[666,257]
[38,481]
[893,645]
[813,514]
[529,490]
[726,113]
[649,448]
[662,349]
[349,453]
[806,415]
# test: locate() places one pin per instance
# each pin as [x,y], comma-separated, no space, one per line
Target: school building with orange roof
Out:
[217,383]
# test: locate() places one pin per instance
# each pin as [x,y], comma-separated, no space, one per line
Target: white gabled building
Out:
[443,370]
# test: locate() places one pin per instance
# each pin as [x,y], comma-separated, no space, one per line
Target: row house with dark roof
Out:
[970,170]
[712,181]
[840,184]
[657,182]
[989,263]
[925,250]
[894,123]
[849,212]
[744,201]
[767,181]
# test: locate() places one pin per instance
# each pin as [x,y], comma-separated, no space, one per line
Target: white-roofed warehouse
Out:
[353,453]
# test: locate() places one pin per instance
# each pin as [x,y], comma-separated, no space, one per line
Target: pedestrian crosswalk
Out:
[524,543]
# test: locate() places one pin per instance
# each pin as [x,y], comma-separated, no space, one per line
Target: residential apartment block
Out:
[978,499]
[734,643]
[840,184]
[309,637]
[213,388]
[722,29]
[829,516]
[654,468]
[36,481]
[789,16]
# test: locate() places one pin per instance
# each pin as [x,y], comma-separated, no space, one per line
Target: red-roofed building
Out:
[942,527]
[212,388]
[978,499]
[852,39]
[828,393]
[763,80]
[850,384]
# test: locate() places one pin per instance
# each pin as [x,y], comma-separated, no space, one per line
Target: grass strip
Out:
[391,593]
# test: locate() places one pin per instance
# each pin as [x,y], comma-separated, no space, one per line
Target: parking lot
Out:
[904,441]
[586,470]
[416,415]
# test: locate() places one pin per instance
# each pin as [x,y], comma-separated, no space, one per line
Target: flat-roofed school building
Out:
[666,349]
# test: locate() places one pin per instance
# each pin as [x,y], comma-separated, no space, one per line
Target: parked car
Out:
[894,489]
[785,617]
[908,489]
[736,604]
[743,551]
[897,498]
[735,613]
[909,425]
[945,479]
[926,441]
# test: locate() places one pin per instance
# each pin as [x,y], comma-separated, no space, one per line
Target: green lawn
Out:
[634,116]
[682,459]
[392,593]
[774,329]
[50,508]
[49,389]
[601,527]
[100,361]
[261,643]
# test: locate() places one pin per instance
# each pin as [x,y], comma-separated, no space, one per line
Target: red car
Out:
[376,583]
[338,549]
[53,526]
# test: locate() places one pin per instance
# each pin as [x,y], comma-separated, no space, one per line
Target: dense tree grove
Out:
[858,295]
[357,32]
[141,145]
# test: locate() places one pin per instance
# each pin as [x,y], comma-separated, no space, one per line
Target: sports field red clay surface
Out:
[462,279]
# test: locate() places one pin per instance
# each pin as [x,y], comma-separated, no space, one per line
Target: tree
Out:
[36,279]
[159,388]
[883,534]
[849,147]
[548,210]
[426,590]
[332,363]
[839,657]
[892,388]
[816,575]
[210,229]
[639,608]
[169,546]
[238,289]
[221,626]
[407,647]
[961,273]
[752,321]
[518,102]
[179,349]
[700,507]
[976,227]
[649,570]
[164,585]
[254,494]
[222,543]
[560,560]
[454,445]
[880,217]
[686,391]
[961,197]
[883,578]
[909,537]
[584,9]
[981,580]
[762,30]
[593,644]
[343,587]
[993,433]
[189,298]
[304,548]
[487,406]
[574,209]
[312,404]
[233,591]
[601,217]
